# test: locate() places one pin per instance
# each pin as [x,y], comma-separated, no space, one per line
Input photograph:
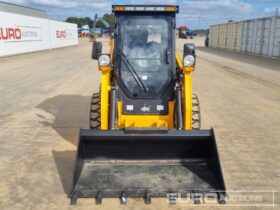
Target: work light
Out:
[189,60]
[104,60]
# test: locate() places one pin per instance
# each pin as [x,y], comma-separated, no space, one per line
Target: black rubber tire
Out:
[94,119]
[196,115]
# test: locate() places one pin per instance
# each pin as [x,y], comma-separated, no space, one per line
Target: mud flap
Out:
[137,163]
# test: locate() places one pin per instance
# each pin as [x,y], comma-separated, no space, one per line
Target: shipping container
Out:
[263,31]
[275,48]
[214,36]
[258,36]
[247,36]
[231,36]
[233,41]
[223,36]
[238,36]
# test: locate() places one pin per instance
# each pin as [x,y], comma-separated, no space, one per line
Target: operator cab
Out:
[146,65]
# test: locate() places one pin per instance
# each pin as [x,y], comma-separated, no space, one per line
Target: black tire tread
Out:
[95,111]
[196,114]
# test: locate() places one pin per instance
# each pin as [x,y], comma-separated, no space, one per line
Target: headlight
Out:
[189,60]
[104,60]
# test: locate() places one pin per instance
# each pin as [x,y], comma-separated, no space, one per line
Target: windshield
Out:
[145,65]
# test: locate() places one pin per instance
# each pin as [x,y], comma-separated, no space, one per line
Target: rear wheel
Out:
[196,116]
[95,111]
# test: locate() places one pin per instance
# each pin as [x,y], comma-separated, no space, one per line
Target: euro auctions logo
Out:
[10,33]
[64,34]
[61,34]
[20,34]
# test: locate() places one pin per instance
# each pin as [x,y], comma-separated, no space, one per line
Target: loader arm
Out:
[105,95]
[186,92]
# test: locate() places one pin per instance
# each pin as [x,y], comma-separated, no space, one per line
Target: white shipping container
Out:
[214,36]
[275,43]
[220,36]
[236,36]
[247,36]
[230,37]
[223,36]
[239,29]
[231,45]
[217,38]
[262,33]
[258,36]
[210,36]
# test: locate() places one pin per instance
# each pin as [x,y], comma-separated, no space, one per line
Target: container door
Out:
[225,38]
[221,37]
[266,35]
[244,36]
[230,36]
[238,37]
[276,42]
[234,36]
[259,37]
[250,36]
[247,36]
[262,36]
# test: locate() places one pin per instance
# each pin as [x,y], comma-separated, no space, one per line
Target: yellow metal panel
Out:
[186,93]
[188,68]
[171,110]
[179,61]
[187,100]
[105,68]
[144,121]
[105,89]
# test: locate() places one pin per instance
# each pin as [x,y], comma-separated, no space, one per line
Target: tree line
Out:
[110,18]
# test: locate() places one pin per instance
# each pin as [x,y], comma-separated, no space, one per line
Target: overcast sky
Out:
[193,13]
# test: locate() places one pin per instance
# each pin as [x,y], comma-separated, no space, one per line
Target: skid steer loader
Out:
[145,138]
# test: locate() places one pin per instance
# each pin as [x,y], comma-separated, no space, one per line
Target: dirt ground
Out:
[45,99]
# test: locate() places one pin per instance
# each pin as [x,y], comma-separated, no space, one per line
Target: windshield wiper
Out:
[134,73]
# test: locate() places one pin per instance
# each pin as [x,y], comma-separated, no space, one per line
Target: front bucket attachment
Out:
[127,163]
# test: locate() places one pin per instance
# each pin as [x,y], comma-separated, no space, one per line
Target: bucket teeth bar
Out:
[123,198]
[74,198]
[121,164]
[99,198]
[148,197]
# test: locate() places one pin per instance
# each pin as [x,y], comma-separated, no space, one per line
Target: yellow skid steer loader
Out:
[145,138]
